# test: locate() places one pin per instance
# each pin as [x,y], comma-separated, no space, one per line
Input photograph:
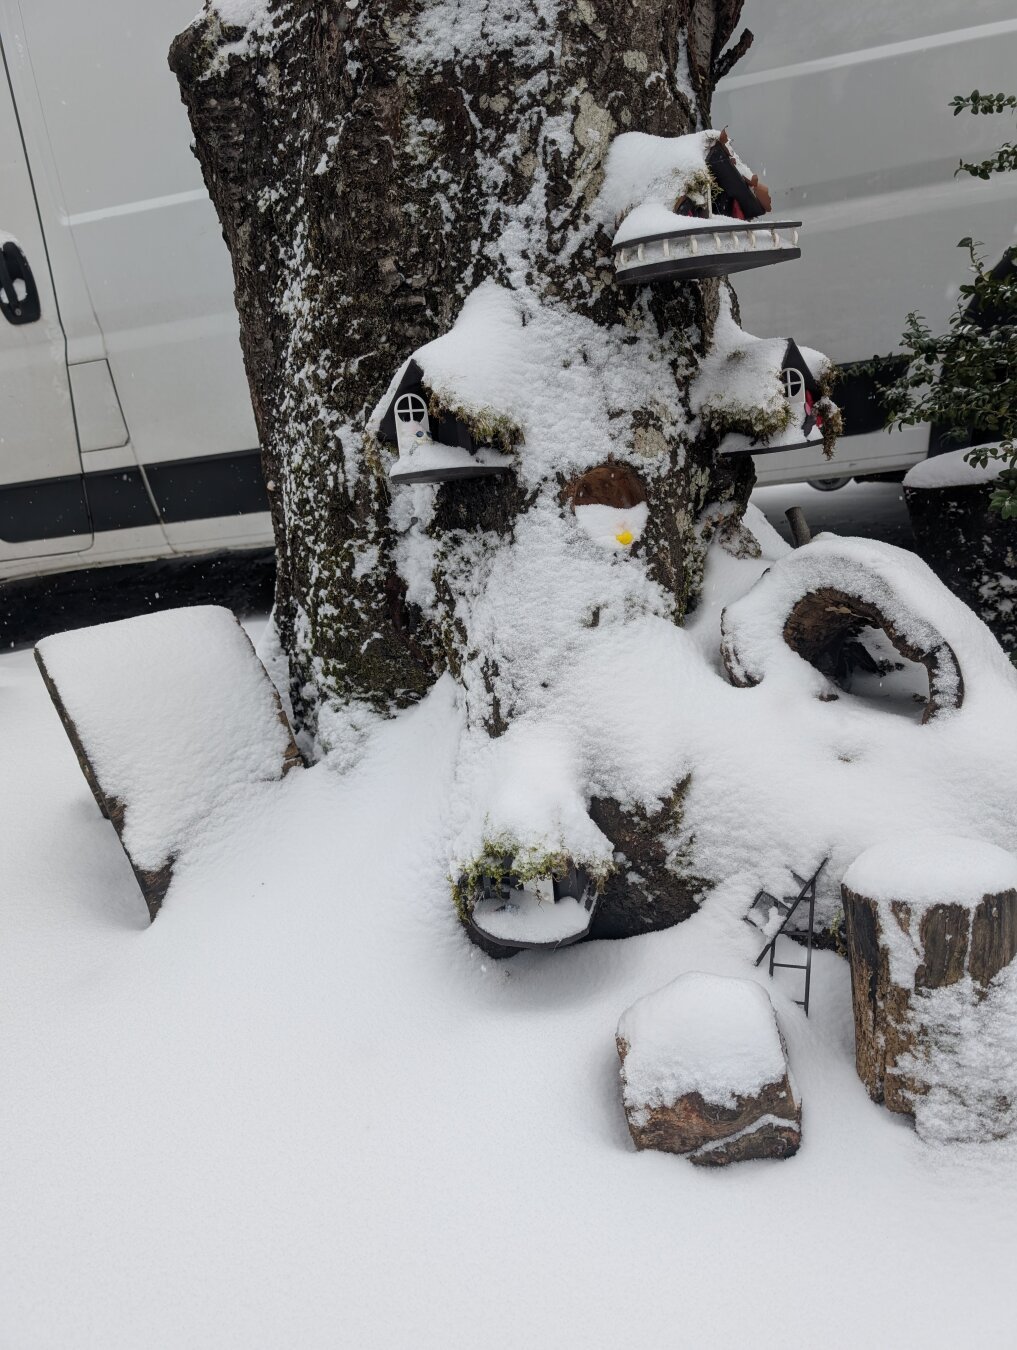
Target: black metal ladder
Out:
[807,892]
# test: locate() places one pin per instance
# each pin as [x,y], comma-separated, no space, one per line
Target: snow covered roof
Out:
[521,372]
[740,378]
[477,370]
[644,169]
[743,368]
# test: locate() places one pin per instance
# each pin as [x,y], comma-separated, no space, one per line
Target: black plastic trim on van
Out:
[52,508]
[215,485]
[117,499]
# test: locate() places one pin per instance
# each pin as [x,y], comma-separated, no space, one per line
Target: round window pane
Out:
[411,408]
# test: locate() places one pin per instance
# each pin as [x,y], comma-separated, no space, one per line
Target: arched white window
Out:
[794,384]
[412,422]
[411,408]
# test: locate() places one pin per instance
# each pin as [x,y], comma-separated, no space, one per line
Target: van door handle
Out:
[19,295]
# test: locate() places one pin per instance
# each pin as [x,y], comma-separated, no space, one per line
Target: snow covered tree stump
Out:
[931,934]
[705,1073]
[169,715]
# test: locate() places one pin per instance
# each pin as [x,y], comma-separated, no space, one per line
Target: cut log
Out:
[817,601]
[705,1073]
[169,715]
[930,925]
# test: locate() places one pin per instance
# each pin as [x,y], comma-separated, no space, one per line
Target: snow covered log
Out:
[807,616]
[932,934]
[170,715]
[705,1073]
[971,548]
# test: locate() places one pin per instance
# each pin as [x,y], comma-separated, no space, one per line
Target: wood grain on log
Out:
[765,1125]
[953,941]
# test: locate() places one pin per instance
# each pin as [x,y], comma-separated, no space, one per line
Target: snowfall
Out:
[301,1110]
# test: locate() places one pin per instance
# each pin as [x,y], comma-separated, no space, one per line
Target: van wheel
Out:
[828,484]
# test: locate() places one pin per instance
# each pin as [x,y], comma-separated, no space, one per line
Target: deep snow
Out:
[300,1110]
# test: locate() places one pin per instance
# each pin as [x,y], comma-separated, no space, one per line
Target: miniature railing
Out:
[725,236]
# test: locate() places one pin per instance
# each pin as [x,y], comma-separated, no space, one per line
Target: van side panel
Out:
[42,502]
[151,252]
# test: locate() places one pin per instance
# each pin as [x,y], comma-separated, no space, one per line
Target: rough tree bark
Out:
[372,165]
[933,1026]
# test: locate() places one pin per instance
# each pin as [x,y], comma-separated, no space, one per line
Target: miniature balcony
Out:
[548,912]
[694,247]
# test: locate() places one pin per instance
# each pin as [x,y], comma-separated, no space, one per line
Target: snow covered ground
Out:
[300,1110]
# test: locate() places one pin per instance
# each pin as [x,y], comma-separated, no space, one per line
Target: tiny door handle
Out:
[19,295]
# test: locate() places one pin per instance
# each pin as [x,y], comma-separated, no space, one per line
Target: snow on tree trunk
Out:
[433,180]
[932,934]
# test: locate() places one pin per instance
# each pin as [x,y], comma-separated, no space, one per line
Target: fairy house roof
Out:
[740,384]
[465,376]
[794,359]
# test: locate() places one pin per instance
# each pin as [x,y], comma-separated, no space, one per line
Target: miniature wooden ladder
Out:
[807,892]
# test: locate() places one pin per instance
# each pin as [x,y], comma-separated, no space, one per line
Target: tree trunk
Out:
[909,1032]
[373,166]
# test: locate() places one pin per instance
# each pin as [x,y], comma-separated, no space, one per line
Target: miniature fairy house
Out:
[696,213]
[802,391]
[793,411]
[431,450]
[737,196]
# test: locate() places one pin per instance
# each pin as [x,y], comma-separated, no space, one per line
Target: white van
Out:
[125,425]
[126,429]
